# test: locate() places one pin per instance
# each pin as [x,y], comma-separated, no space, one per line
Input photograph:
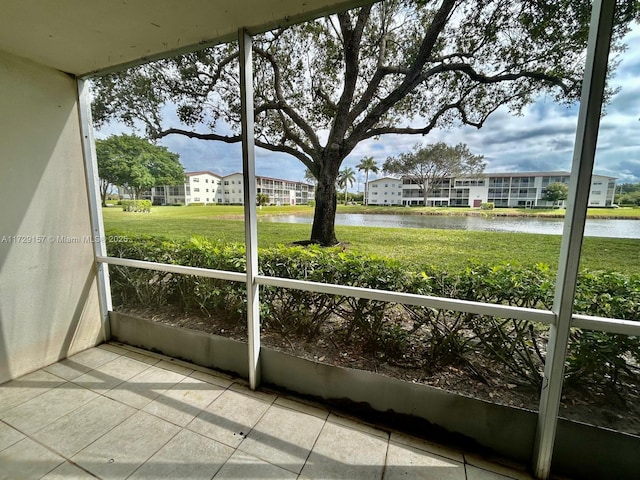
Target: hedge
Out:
[136,205]
[414,336]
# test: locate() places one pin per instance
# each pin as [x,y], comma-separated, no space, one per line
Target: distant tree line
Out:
[628,194]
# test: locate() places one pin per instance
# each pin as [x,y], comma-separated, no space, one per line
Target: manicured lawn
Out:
[450,249]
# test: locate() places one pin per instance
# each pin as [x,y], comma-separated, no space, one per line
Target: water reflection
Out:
[551,226]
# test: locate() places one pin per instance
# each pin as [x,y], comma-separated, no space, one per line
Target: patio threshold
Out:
[116,411]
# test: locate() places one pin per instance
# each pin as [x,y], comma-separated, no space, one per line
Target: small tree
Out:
[345,180]
[135,163]
[431,164]
[368,164]
[262,199]
[556,192]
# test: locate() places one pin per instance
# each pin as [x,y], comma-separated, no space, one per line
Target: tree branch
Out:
[282,103]
[288,150]
[412,76]
[199,136]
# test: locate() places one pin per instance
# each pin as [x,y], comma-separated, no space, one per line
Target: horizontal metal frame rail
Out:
[168,267]
[609,325]
[588,322]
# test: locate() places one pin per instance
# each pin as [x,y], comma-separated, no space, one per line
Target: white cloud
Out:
[541,139]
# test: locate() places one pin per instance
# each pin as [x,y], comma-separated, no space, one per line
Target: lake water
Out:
[553,226]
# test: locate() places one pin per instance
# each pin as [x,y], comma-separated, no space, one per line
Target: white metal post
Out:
[249,193]
[95,211]
[579,187]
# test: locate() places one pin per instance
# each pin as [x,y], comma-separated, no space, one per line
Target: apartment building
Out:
[209,188]
[522,189]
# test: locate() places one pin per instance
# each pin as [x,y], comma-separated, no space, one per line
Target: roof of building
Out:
[189,174]
[384,178]
[202,172]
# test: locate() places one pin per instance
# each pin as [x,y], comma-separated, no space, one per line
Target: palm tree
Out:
[368,164]
[345,179]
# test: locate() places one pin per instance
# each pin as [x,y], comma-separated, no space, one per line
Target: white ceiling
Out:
[84,36]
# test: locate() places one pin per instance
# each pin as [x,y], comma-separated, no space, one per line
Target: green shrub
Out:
[136,205]
[487,206]
[413,335]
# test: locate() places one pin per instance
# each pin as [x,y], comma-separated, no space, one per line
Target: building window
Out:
[226,182]
[596,192]
[196,189]
[197,199]
[206,180]
[196,179]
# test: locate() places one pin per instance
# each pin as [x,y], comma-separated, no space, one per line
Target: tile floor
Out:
[116,412]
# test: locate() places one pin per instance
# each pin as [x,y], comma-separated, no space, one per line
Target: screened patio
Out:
[57,309]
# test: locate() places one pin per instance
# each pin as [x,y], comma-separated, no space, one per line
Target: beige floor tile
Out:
[141,357]
[302,407]
[220,380]
[244,466]
[142,389]
[25,388]
[406,462]
[356,425]
[93,357]
[111,374]
[78,429]
[509,470]
[283,437]
[37,413]
[229,418]
[113,348]
[67,369]
[123,449]
[421,444]
[176,366]
[68,471]
[8,436]
[186,456]
[27,460]
[344,453]
[475,473]
[184,401]
[261,394]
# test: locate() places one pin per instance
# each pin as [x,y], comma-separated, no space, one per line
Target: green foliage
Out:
[556,192]
[487,206]
[368,164]
[429,165]
[488,347]
[345,180]
[262,199]
[133,162]
[136,205]
[384,68]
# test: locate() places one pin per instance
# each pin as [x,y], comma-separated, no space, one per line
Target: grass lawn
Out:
[446,248]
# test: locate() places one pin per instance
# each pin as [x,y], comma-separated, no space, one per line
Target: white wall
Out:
[48,295]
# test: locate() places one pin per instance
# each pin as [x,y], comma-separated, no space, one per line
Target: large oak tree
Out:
[394,67]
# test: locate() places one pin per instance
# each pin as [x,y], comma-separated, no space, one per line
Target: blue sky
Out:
[539,140]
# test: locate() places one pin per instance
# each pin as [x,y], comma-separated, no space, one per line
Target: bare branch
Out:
[282,103]
[199,136]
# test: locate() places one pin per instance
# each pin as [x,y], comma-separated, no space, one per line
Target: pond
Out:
[611,228]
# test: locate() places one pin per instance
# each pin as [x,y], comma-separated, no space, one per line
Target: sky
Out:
[540,140]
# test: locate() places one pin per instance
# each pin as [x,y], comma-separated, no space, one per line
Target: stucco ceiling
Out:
[84,36]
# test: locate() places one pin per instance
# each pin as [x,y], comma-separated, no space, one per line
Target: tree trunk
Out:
[366,187]
[323,230]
